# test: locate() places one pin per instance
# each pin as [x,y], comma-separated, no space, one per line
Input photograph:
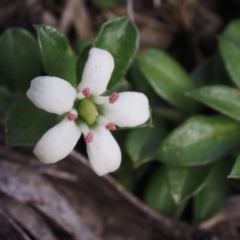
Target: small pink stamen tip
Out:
[71,117]
[114,97]
[111,126]
[89,138]
[86,92]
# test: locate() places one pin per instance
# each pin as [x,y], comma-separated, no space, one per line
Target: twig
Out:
[76,14]
[130,9]
[157,3]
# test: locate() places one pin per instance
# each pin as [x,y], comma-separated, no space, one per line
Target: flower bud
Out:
[87,111]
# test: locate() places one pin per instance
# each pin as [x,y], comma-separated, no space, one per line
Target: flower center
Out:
[87,111]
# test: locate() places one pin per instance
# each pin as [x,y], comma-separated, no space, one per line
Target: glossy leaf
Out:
[230,51]
[141,83]
[57,56]
[211,71]
[200,140]
[121,86]
[185,182]
[19,59]
[221,98]
[120,37]
[142,143]
[4,104]
[235,173]
[232,30]
[168,79]
[109,3]
[158,197]
[26,123]
[210,199]
[81,61]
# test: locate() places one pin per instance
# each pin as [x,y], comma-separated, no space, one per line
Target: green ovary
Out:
[87,111]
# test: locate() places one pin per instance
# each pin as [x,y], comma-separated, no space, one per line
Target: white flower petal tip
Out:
[103,152]
[52,94]
[57,142]
[97,71]
[130,110]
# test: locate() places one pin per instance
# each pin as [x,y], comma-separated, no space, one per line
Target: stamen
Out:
[111,126]
[114,97]
[86,92]
[89,137]
[72,116]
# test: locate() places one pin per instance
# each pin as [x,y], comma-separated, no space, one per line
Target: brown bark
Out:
[68,201]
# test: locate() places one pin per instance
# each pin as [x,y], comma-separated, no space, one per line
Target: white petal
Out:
[103,152]
[130,110]
[97,71]
[57,142]
[52,94]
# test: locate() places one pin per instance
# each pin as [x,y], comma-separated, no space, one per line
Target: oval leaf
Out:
[211,71]
[200,140]
[158,197]
[221,98]
[57,56]
[232,30]
[235,173]
[20,60]
[109,3]
[142,143]
[168,79]
[210,199]
[120,37]
[26,123]
[4,103]
[230,51]
[185,182]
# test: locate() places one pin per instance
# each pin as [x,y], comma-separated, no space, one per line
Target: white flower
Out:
[87,112]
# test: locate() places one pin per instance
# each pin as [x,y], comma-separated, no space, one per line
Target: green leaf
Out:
[199,141]
[81,61]
[232,30]
[142,143]
[230,51]
[4,104]
[141,83]
[19,59]
[185,182]
[173,1]
[210,199]
[221,98]
[168,79]
[26,123]
[235,173]
[211,71]
[158,197]
[109,3]
[57,56]
[121,86]
[120,37]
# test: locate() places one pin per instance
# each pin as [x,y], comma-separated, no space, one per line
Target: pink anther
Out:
[72,116]
[86,92]
[111,126]
[89,137]
[114,97]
